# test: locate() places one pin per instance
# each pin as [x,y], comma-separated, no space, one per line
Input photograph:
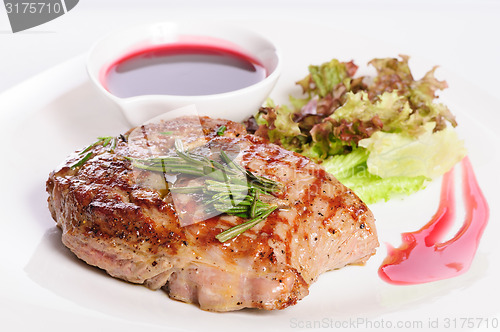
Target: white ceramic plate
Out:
[43,285]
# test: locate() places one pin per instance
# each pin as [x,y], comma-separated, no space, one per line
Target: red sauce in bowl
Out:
[421,258]
[182,70]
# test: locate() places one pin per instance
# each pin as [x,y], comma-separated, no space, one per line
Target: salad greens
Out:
[382,136]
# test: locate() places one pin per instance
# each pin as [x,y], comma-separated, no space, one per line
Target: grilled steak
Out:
[123,220]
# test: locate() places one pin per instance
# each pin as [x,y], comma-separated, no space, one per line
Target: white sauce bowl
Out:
[236,105]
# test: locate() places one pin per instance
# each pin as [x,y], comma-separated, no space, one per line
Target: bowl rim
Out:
[95,77]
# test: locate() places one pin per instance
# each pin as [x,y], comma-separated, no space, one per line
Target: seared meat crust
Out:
[123,220]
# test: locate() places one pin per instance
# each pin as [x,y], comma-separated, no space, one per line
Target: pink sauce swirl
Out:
[421,257]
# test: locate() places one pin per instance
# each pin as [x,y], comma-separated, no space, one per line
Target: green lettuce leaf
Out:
[391,110]
[276,124]
[352,171]
[372,189]
[322,79]
[346,165]
[430,155]
[395,75]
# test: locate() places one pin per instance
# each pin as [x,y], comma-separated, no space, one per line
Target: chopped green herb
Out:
[86,155]
[229,188]
[167,132]
[82,160]
[237,230]
[221,130]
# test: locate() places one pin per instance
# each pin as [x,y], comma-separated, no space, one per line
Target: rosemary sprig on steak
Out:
[86,154]
[228,188]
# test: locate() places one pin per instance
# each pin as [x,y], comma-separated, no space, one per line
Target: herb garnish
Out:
[86,154]
[227,188]
[221,130]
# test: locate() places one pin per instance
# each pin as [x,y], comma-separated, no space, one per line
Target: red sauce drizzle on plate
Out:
[421,258]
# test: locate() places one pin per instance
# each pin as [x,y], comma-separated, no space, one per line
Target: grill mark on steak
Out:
[124,221]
